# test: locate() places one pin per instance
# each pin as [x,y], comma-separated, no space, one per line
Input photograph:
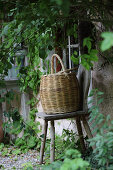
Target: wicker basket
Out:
[59,92]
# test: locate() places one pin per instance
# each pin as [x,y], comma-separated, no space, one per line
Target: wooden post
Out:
[43,141]
[52,145]
[80,133]
[58,49]
[1,131]
[87,128]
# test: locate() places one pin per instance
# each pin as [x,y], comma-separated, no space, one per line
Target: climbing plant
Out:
[28,28]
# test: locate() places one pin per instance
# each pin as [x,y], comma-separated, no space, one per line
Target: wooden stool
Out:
[78,115]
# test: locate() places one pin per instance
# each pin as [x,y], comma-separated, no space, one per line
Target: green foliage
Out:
[75,58]
[30,31]
[15,125]
[62,143]
[65,142]
[102,156]
[1,146]
[72,161]
[86,59]
[107,43]
[36,33]
[4,152]
[103,139]
[16,152]
[1,167]
[75,163]
[27,166]
[29,139]
[25,36]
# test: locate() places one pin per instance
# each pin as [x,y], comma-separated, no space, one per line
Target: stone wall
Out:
[102,78]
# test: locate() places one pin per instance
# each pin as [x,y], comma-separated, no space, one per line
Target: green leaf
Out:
[27,166]
[9,43]
[108,40]
[59,2]
[31,142]
[85,64]
[16,152]
[93,55]
[30,168]
[1,146]
[75,60]
[108,117]
[87,43]
[75,53]
[71,153]
[86,56]
[100,93]
[100,101]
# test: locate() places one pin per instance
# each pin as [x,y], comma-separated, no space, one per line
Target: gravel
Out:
[9,162]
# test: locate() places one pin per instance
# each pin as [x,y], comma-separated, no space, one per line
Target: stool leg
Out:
[52,145]
[79,128]
[43,141]
[87,128]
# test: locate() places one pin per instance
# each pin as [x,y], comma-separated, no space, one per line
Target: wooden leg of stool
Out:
[43,141]
[52,145]
[87,128]
[80,133]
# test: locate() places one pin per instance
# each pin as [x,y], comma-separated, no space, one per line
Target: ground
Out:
[17,161]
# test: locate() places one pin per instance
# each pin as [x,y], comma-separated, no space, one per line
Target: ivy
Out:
[102,127]
[29,29]
[107,43]
[86,59]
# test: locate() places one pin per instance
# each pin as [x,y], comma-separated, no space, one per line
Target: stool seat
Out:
[78,115]
[58,116]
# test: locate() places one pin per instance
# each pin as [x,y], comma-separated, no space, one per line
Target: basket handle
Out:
[68,70]
[52,62]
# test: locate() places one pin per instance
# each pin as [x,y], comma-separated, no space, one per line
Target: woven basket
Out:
[59,92]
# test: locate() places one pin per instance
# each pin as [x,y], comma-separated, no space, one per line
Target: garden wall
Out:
[102,78]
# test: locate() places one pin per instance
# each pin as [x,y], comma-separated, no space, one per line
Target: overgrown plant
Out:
[29,28]
[34,38]
[62,143]
[72,161]
[14,125]
[86,59]
[103,129]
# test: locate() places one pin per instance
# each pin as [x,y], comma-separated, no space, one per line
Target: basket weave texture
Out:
[59,92]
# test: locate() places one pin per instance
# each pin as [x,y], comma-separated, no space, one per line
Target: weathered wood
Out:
[79,128]
[43,141]
[50,117]
[25,108]
[1,131]
[52,145]
[84,78]
[87,128]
